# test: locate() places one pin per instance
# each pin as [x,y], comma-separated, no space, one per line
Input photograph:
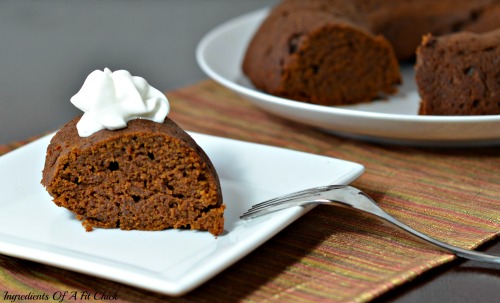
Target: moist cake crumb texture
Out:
[148,176]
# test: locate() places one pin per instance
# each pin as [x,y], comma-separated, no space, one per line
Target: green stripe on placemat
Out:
[330,254]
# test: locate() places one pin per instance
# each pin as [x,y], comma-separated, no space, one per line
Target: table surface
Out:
[48,47]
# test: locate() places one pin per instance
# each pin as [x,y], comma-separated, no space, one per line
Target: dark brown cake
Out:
[310,53]
[147,176]
[459,74]
[336,52]
[403,23]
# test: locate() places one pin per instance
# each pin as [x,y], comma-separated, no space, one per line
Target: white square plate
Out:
[170,262]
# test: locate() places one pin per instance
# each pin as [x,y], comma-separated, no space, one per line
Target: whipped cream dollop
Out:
[111,99]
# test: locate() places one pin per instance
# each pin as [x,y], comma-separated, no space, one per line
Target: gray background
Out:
[48,47]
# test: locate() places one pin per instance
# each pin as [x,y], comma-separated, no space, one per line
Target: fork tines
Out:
[307,193]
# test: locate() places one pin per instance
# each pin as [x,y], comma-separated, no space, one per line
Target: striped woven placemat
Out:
[330,254]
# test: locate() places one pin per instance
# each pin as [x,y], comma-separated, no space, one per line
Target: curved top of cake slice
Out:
[147,176]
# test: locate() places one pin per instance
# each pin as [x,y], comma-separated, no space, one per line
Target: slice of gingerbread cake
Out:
[320,52]
[125,165]
[459,74]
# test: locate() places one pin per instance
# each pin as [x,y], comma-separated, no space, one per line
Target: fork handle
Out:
[460,252]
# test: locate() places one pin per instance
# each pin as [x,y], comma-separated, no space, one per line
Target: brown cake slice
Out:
[321,54]
[147,176]
[459,74]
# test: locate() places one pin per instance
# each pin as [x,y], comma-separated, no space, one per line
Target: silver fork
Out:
[350,197]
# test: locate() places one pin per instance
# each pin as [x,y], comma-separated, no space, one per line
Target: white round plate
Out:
[220,54]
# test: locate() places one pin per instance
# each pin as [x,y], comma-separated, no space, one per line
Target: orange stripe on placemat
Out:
[5,148]
[11,146]
[334,255]
[236,118]
[49,284]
